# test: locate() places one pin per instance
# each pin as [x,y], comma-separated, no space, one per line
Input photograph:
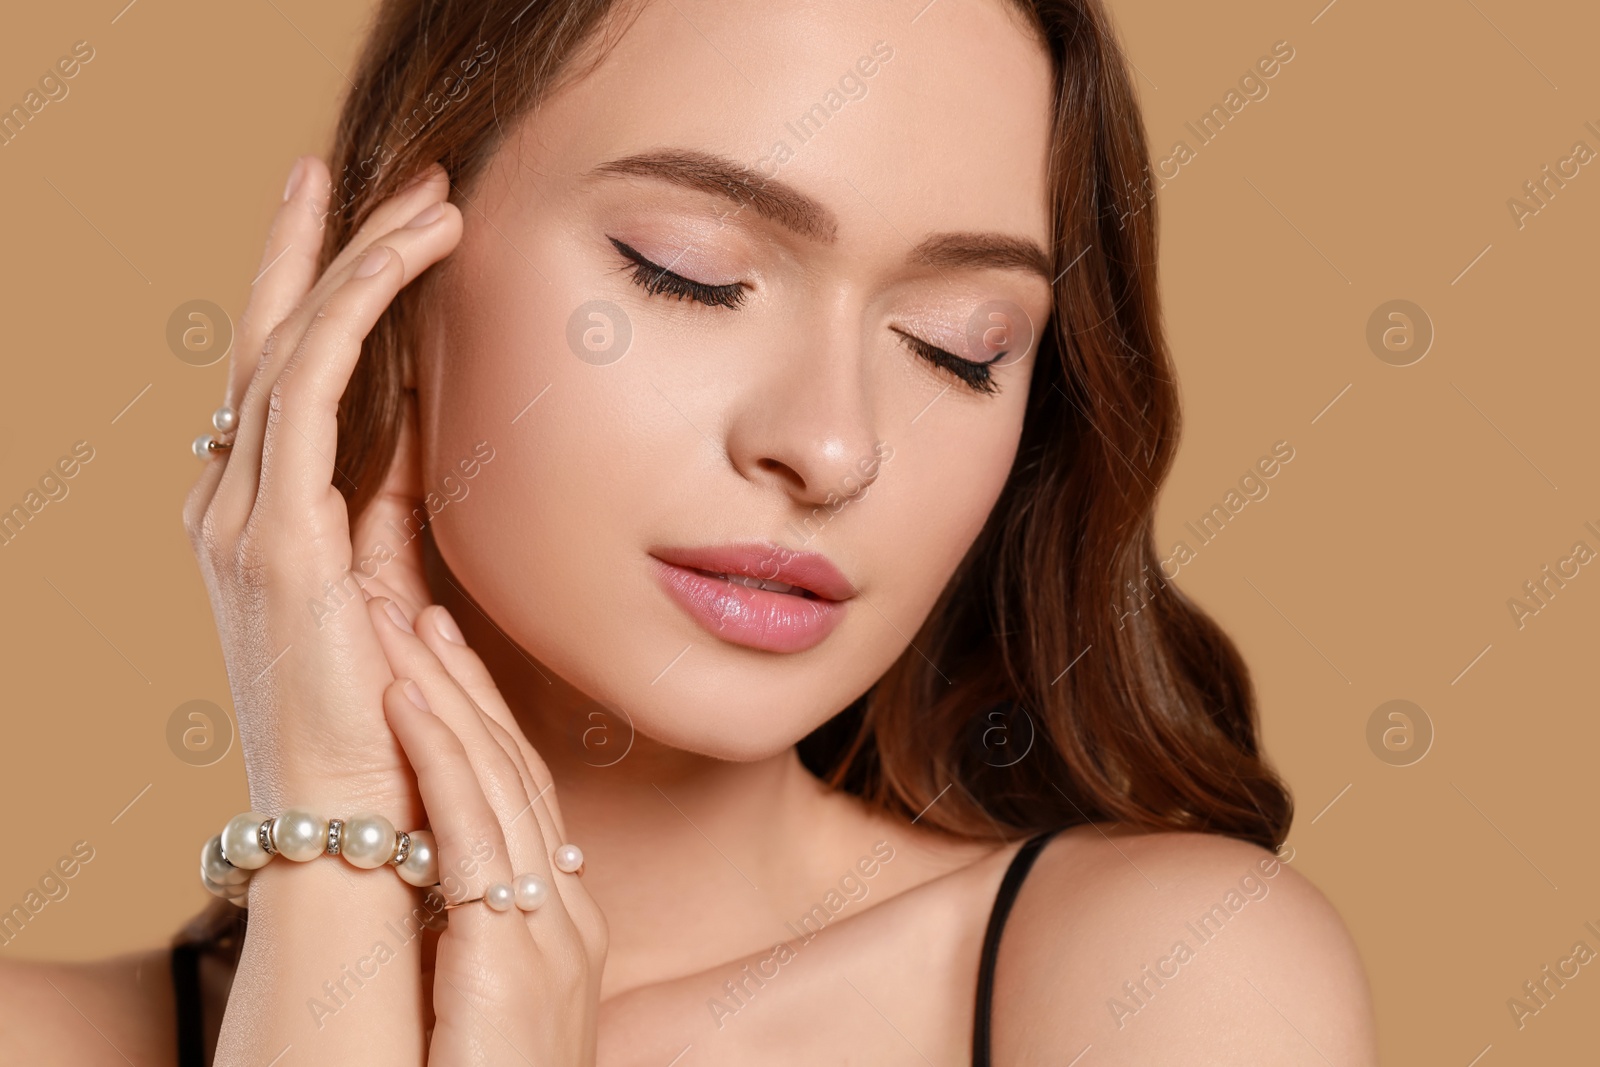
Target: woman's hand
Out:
[270,527]
[273,538]
[512,987]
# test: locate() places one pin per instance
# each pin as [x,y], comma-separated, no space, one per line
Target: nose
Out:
[807,428]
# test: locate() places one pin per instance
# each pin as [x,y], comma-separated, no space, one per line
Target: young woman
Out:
[722,437]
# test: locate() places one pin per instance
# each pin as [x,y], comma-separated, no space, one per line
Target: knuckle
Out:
[278,395]
[270,345]
[205,535]
[260,382]
[249,558]
[599,937]
[571,953]
[200,521]
[321,316]
[194,509]
[586,936]
[284,390]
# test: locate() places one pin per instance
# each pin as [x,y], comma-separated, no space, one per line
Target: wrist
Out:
[360,903]
[323,937]
[340,795]
[332,883]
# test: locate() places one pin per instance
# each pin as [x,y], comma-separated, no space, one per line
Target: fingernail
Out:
[427,216]
[414,692]
[364,594]
[447,628]
[296,173]
[398,616]
[374,261]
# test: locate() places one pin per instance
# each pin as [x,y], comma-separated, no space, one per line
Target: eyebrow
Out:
[769,198]
[790,208]
[984,250]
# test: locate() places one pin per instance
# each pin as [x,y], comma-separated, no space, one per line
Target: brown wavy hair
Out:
[1075,683]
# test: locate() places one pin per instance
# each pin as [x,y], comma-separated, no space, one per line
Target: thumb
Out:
[387,537]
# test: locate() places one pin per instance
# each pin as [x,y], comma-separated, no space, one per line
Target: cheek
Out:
[937,491]
[552,541]
[579,455]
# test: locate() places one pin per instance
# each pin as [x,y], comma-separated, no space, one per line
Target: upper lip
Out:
[758,559]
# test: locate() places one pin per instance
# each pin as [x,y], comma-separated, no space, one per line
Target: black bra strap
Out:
[1021,863]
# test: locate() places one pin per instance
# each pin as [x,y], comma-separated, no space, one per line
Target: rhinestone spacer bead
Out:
[402,847]
[264,836]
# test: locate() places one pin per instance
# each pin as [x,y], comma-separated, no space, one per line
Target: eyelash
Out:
[658,281]
[973,374]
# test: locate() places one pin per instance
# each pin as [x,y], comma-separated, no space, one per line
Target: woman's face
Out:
[753,298]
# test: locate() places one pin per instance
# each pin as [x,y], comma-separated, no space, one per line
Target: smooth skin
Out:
[709,837]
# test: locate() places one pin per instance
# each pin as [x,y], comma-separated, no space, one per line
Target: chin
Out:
[746,733]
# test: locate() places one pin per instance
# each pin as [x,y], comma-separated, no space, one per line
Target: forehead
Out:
[919,122]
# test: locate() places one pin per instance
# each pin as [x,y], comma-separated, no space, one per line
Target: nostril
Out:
[783,471]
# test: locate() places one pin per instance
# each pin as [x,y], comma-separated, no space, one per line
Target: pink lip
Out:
[756,618]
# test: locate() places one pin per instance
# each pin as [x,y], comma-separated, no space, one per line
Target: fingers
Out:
[472,847]
[312,315]
[532,835]
[510,794]
[287,269]
[301,433]
[439,631]
[436,650]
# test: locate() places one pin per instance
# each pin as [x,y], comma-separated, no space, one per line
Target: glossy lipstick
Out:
[757,595]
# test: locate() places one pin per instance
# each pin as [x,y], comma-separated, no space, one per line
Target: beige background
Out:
[1378,568]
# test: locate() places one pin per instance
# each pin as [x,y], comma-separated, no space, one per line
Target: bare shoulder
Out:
[1191,948]
[112,1011]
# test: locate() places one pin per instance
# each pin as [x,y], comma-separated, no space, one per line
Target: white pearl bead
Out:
[498,896]
[218,869]
[531,891]
[224,418]
[241,842]
[300,835]
[213,888]
[368,840]
[202,446]
[421,865]
[568,858]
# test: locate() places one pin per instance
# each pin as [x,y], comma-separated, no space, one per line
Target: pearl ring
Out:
[226,420]
[527,892]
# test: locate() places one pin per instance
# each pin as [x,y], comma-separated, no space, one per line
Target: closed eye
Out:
[973,374]
[659,281]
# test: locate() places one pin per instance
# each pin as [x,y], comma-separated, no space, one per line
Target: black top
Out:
[204,957]
[205,954]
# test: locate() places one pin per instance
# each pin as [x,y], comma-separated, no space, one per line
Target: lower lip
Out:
[754,618]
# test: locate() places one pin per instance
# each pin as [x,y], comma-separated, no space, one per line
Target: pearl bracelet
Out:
[366,840]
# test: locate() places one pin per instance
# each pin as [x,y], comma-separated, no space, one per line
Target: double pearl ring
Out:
[226,420]
[527,892]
